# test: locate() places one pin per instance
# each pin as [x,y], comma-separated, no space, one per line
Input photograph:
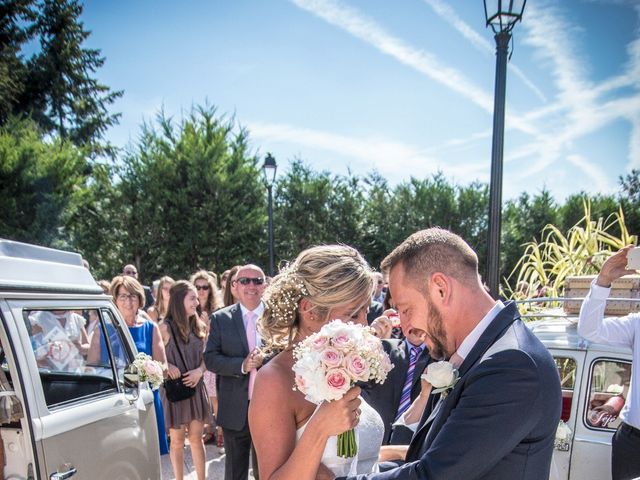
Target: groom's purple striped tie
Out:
[405,398]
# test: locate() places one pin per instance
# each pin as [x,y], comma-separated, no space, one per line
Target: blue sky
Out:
[402,87]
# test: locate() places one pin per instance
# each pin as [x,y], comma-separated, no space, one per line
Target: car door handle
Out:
[70,472]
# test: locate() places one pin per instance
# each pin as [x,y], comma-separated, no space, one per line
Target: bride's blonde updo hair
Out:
[329,276]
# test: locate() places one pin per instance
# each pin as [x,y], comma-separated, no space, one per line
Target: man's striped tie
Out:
[405,398]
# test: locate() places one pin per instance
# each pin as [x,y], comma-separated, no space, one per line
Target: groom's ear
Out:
[440,287]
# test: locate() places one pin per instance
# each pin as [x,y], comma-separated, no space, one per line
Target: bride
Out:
[292,436]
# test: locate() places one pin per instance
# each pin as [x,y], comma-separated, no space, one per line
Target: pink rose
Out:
[152,369]
[319,343]
[357,367]
[338,382]
[300,384]
[331,357]
[342,341]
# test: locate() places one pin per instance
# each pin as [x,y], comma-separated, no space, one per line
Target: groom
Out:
[499,420]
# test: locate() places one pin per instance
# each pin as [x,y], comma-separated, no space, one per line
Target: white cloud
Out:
[448,14]
[369,31]
[591,170]
[424,62]
[391,158]
[579,110]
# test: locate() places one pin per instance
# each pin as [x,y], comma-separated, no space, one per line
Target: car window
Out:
[567,371]
[608,388]
[61,348]
[114,347]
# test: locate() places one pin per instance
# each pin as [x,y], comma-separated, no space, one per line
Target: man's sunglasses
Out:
[247,281]
[202,287]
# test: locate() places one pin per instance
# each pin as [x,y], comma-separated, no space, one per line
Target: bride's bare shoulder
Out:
[277,372]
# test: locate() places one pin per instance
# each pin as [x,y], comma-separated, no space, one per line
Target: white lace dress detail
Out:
[369,433]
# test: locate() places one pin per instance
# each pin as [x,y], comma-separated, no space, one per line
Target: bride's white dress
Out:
[369,433]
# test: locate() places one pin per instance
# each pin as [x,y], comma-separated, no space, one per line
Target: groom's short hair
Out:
[434,250]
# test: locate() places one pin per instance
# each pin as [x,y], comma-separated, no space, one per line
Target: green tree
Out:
[187,196]
[62,94]
[630,199]
[601,206]
[378,226]
[523,221]
[301,212]
[40,184]
[15,30]
[472,220]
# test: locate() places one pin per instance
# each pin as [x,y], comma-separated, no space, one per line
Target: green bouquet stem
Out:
[347,446]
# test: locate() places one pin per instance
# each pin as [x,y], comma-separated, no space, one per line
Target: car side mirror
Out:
[131,382]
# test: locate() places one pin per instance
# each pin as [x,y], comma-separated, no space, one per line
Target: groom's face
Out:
[417,311]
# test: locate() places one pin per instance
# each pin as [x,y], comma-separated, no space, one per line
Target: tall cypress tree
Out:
[65,97]
[16,28]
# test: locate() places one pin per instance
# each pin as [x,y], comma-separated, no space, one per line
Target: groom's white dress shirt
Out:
[470,340]
[463,350]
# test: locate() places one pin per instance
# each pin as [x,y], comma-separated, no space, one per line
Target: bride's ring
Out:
[357,412]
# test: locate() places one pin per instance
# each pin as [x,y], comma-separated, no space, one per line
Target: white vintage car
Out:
[64,414]
[591,376]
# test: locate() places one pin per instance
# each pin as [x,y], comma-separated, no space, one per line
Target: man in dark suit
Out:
[231,353]
[375,310]
[498,420]
[391,398]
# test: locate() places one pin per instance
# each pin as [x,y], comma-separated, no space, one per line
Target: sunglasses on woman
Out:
[202,287]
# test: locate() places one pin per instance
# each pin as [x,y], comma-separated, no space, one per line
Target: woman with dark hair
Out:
[159,309]
[209,301]
[230,297]
[184,334]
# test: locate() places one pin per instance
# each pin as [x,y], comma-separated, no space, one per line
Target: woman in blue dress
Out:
[129,297]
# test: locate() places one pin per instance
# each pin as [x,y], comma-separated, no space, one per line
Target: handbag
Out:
[175,389]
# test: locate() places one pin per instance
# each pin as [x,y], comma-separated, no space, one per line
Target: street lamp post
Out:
[502,15]
[269,169]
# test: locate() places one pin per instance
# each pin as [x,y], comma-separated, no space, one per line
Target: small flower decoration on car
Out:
[562,440]
[442,376]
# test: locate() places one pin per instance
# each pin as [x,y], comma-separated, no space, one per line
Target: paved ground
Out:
[215,465]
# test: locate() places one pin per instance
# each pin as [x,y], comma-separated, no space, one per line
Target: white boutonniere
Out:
[443,376]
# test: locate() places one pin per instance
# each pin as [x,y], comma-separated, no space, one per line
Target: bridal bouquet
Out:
[149,370]
[330,362]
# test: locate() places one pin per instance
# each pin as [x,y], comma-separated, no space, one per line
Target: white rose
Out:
[316,389]
[441,374]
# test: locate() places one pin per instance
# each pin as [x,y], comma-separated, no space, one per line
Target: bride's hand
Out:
[339,416]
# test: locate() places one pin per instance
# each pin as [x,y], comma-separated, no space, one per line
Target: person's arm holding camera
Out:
[591,324]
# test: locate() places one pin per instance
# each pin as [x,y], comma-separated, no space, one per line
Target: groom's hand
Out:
[389,453]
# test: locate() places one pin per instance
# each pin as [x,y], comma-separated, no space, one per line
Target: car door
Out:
[605,377]
[84,423]
[569,364]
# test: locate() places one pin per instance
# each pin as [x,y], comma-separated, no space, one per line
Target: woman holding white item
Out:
[292,435]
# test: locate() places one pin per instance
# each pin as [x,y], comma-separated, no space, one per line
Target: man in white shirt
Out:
[232,354]
[625,331]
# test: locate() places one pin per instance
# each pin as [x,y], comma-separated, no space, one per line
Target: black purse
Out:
[175,389]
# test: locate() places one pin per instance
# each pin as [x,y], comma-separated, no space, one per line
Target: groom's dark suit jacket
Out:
[227,348]
[500,419]
[385,397]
